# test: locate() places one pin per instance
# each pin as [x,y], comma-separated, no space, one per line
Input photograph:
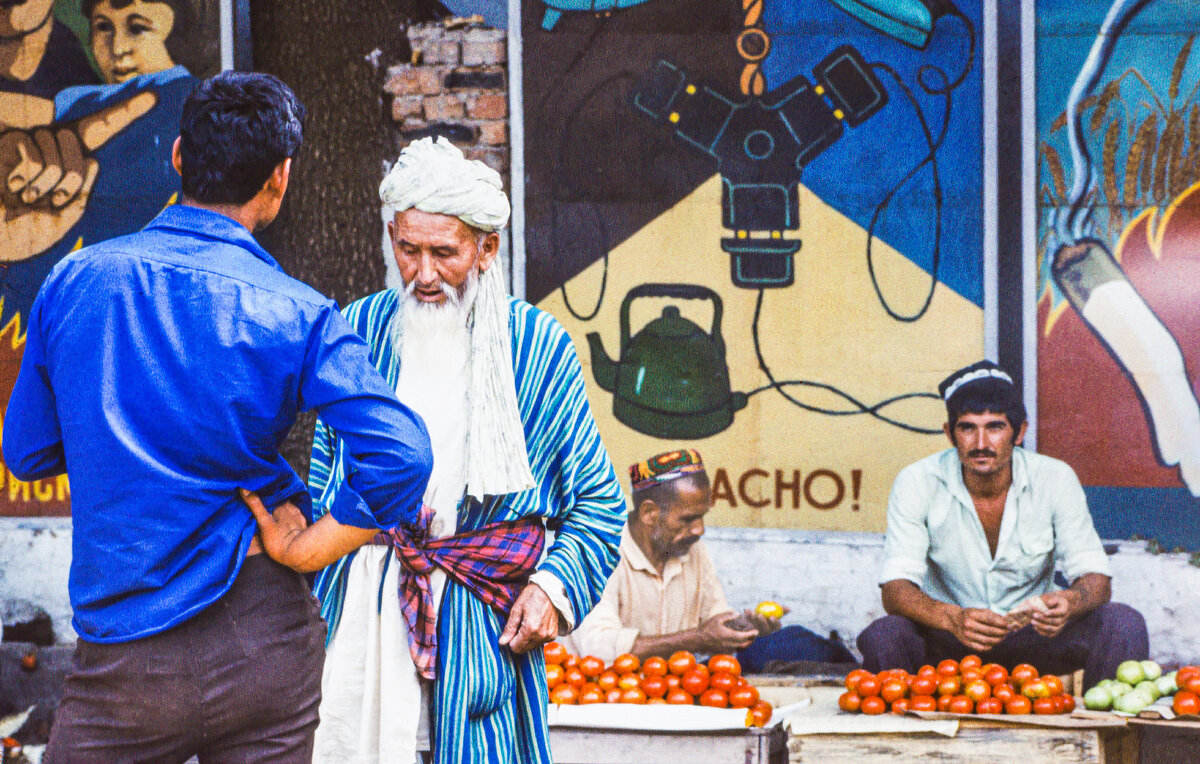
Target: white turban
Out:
[437,178]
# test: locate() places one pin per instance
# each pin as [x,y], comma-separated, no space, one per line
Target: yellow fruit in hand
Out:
[769,609]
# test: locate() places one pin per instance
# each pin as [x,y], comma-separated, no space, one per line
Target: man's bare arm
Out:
[712,636]
[977,628]
[304,549]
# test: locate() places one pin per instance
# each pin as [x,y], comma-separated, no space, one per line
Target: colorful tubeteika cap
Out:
[664,468]
[975,374]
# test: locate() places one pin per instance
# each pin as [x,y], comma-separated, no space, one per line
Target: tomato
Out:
[591,666]
[613,695]
[554,675]
[873,705]
[977,690]
[947,667]
[722,681]
[970,662]
[1022,673]
[1191,685]
[1018,704]
[655,666]
[574,677]
[607,680]
[565,695]
[1003,691]
[725,664]
[1035,689]
[922,703]
[927,670]
[1068,702]
[1187,703]
[740,681]
[949,685]
[849,701]
[656,701]
[762,712]
[694,682]
[633,695]
[628,682]
[892,690]
[970,675]
[672,681]
[714,699]
[923,685]
[869,686]
[654,686]
[1054,684]
[990,706]
[679,698]
[554,652]
[961,704]
[572,661]
[1185,673]
[681,662]
[854,677]
[591,693]
[900,706]
[743,697]
[943,703]
[996,674]
[626,664]
[1043,706]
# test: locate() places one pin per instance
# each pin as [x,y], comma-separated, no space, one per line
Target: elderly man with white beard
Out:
[516,451]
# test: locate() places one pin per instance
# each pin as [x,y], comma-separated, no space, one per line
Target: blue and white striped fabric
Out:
[490,704]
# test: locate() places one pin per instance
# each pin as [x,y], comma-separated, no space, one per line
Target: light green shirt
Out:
[935,539]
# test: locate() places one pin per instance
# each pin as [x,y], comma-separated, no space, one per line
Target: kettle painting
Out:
[671,380]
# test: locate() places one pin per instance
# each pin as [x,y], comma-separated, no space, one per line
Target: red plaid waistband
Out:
[493,563]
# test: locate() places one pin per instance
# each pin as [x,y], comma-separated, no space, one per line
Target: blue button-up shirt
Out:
[162,371]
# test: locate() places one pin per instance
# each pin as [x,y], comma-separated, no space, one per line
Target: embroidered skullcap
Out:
[984,376]
[664,468]
[435,177]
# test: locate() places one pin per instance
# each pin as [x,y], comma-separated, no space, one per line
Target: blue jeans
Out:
[791,643]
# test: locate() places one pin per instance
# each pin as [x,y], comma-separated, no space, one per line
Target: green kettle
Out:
[671,380]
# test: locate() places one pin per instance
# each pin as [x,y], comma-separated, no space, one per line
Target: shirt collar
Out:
[639,561]
[950,473]
[198,221]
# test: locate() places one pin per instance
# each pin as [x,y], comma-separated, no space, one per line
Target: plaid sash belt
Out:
[492,562]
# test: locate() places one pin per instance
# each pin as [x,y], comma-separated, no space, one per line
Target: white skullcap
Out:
[437,178]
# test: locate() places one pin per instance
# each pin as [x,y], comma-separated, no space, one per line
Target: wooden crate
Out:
[579,745]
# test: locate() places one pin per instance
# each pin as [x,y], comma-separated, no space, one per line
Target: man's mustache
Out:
[980,452]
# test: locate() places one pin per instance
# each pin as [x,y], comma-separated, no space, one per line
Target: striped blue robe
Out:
[490,704]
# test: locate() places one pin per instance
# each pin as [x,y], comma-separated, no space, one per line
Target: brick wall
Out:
[456,85]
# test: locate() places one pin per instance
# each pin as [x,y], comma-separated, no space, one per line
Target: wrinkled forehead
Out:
[431,228]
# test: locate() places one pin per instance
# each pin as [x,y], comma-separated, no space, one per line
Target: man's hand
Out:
[761,623]
[1050,622]
[277,530]
[47,176]
[717,635]
[532,622]
[978,628]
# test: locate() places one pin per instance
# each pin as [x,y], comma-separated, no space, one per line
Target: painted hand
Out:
[48,177]
[532,622]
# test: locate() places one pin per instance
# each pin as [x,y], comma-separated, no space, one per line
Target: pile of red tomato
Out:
[960,687]
[1187,699]
[678,680]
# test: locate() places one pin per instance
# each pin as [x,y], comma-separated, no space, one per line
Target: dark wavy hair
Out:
[235,129]
[182,43]
[987,396]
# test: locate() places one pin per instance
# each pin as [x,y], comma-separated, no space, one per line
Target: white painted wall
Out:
[827,579]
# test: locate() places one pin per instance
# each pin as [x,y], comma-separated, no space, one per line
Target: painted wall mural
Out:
[1119,254]
[761,222]
[90,96]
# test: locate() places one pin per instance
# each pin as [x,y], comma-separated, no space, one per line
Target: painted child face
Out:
[132,40]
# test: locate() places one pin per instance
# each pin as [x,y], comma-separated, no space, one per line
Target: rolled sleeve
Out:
[1078,549]
[557,592]
[906,542]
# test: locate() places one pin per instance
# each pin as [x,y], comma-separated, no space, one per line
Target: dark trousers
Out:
[788,645]
[239,682]
[1096,643]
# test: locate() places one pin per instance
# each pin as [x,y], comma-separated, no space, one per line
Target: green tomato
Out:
[1119,688]
[1166,684]
[1133,701]
[1098,699]
[1131,672]
[1150,689]
[1152,670]
[1105,683]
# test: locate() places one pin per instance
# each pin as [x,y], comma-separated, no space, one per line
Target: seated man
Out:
[974,534]
[664,595]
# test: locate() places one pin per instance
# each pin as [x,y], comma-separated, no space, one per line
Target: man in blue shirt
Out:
[163,370]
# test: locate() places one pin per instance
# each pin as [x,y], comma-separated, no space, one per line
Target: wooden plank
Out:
[996,745]
[592,746]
